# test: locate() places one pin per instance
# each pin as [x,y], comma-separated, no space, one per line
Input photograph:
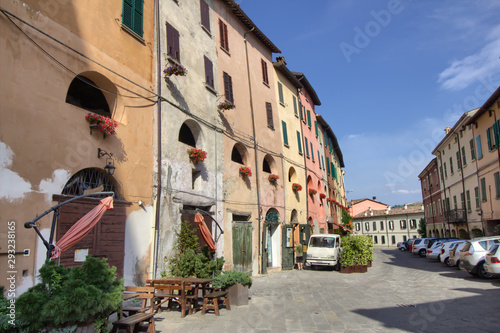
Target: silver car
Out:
[472,255]
[445,251]
[492,260]
[454,258]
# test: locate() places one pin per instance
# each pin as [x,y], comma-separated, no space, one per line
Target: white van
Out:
[324,250]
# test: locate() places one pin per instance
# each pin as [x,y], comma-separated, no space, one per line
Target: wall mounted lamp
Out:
[110,167]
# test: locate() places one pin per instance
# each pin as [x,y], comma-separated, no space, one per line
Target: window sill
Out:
[286,146]
[206,30]
[133,33]
[226,51]
[212,90]
[172,60]
[282,104]
[266,84]
[271,127]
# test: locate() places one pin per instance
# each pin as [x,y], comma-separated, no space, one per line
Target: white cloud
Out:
[462,73]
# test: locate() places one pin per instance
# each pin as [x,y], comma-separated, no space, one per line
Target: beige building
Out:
[389,226]
[485,127]
[58,65]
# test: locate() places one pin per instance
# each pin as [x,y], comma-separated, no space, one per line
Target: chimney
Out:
[374,198]
[406,206]
[447,130]
[281,59]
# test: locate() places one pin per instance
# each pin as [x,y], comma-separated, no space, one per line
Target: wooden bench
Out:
[211,301]
[137,315]
[129,323]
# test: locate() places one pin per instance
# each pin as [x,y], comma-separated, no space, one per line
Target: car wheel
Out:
[337,266]
[401,249]
[482,272]
[421,253]
[447,262]
[458,264]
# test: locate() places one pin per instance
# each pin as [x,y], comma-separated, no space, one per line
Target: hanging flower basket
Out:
[329,200]
[312,191]
[104,124]
[245,171]
[226,106]
[273,178]
[322,196]
[296,187]
[197,155]
[176,70]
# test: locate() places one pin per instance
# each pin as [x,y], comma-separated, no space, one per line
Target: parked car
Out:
[408,243]
[492,261]
[419,246]
[454,258]
[445,251]
[324,250]
[472,255]
[431,241]
[401,246]
[435,251]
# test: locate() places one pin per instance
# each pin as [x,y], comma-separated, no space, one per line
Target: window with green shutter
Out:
[295,106]
[300,107]
[328,165]
[483,189]
[280,92]
[459,164]
[285,135]
[334,171]
[132,15]
[309,118]
[445,170]
[464,160]
[476,196]
[306,146]
[472,150]
[316,127]
[312,151]
[319,160]
[479,149]
[299,142]
[451,165]
[323,162]
[496,175]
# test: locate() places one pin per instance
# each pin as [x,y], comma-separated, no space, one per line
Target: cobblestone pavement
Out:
[399,293]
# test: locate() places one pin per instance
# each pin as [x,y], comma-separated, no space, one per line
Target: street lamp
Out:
[109,168]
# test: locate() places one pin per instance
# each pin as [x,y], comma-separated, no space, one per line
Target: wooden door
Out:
[242,247]
[287,247]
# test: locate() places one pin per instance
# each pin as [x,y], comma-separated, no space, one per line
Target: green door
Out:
[242,247]
[287,248]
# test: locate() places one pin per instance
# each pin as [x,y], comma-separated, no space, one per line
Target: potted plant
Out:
[312,191]
[104,124]
[227,105]
[329,200]
[296,187]
[357,252]
[273,178]
[236,283]
[245,171]
[322,196]
[197,155]
[176,70]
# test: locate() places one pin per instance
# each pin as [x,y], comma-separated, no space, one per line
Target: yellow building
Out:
[59,64]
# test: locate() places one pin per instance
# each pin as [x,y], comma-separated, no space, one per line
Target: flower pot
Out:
[238,294]
[360,269]
[346,269]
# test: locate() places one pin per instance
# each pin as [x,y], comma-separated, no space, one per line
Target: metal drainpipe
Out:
[444,191]
[261,241]
[305,168]
[158,166]
[477,176]
[463,183]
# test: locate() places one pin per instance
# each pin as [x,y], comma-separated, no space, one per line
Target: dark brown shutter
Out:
[173,49]
[269,110]
[223,35]
[265,77]
[209,71]
[228,88]
[205,15]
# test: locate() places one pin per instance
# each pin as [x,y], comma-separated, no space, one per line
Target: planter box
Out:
[354,269]
[348,269]
[238,294]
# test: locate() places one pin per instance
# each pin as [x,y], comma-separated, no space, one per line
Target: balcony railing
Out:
[455,215]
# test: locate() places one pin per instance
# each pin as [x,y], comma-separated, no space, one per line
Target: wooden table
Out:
[184,291]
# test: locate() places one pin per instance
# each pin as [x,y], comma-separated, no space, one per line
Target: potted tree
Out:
[357,253]
[236,283]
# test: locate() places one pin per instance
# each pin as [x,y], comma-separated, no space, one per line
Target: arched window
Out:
[90,179]
[294,217]
[292,175]
[83,93]
[237,154]
[186,136]
[272,215]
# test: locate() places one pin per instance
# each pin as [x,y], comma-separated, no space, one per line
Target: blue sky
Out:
[390,74]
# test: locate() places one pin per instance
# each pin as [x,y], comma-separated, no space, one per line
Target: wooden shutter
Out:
[312,151]
[285,135]
[323,162]
[209,70]
[496,133]
[269,110]
[205,15]
[300,107]
[299,142]
[295,105]
[224,43]
[228,87]
[280,92]
[316,127]
[488,136]
[265,77]
[127,13]
[459,164]
[483,189]
[173,49]
[328,165]
[479,149]
[138,4]
[319,160]
[307,146]
[496,175]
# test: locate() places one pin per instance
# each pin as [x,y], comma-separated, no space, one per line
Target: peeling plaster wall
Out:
[139,231]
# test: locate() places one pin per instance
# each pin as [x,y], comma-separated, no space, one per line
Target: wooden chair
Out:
[141,314]
[212,300]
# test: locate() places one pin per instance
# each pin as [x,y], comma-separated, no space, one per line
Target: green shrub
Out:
[71,296]
[356,250]
[229,278]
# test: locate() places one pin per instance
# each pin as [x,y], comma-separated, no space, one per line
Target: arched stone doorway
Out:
[272,238]
[107,238]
